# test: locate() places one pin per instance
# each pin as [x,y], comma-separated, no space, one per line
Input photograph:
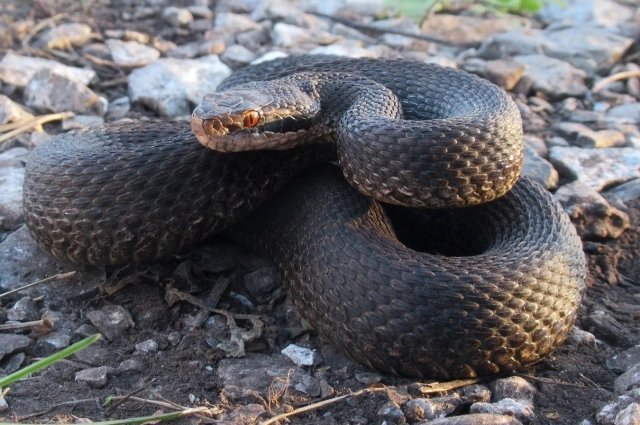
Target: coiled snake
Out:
[469,291]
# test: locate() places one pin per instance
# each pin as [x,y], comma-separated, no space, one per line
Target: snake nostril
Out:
[209,127]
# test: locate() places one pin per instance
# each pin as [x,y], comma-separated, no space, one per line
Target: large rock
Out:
[18,70]
[553,77]
[464,30]
[172,87]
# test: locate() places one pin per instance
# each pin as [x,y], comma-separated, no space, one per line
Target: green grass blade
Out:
[41,364]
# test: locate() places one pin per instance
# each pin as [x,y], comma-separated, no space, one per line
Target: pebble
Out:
[262,282]
[11,111]
[601,12]
[18,70]
[24,310]
[601,139]
[592,215]
[111,321]
[579,337]
[234,23]
[286,35]
[630,415]
[476,393]
[14,363]
[118,108]
[431,408]
[628,380]
[95,377]
[132,365]
[81,121]
[300,356]
[131,52]
[608,414]
[10,343]
[308,385]
[3,403]
[172,86]
[53,342]
[624,361]
[390,411]
[520,409]
[177,16]
[65,35]
[50,92]
[539,169]
[474,419]
[513,387]
[11,180]
[628,113]
[552,77]
[237,56]
[367,378]
[505,73]
[147,347]
[93,355]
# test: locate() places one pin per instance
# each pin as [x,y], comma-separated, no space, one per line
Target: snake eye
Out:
[251,119]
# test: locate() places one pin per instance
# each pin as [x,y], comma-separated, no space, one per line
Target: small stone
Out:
[475,419]
[468,30]
[177,16]
[14,363]
[3,403]
[476,393]
[301,356]
[200,12]
[608,414]
[601,139]
[308,385]
[19,70]
[553,77]
[367,378]
[585,116]
[590,212]
[95,377]
[84,331]
[628,380]
[131,52]
[504,73]
[49,92]
[234,394]
[624,361]
[628,113]
[391,411]
[556,141]
[234,23]
[350,50]
[520,409]
[174,338]
[25,309]
[326,390]
[513,387]
[11,181]
[65,35]
[53,342]
[630,415]
[285,35]
[111,321]
[10,343]
[539,169]
[537,144]
[146,347]
[237,56]
[432,408]
[118,108]
[262,282]
[580,337]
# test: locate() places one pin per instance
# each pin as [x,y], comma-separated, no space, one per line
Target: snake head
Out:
[254,116]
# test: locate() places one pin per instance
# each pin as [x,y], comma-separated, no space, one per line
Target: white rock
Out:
[599,12]
[177,16]
[431,408]
[95,377]
[597,168]
[131,52]
[234,22]
[607,415]
[11,180]
[630,415]
[513,387]
[300,356]
[520,409]
[269,56]
[18,70]
[171,86]
[348,49]
[148,346]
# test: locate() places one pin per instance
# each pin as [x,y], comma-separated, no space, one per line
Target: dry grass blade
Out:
[35,122]
[615,77]
[24,325]
[37,28]
[39,282]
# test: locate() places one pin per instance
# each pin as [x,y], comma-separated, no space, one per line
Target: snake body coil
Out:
[506,293]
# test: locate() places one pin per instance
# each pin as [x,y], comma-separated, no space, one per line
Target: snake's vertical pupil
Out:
[251,119]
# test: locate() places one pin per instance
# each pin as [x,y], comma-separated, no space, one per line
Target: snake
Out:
[387,192]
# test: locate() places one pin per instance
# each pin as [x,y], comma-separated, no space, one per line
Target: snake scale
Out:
[436,291]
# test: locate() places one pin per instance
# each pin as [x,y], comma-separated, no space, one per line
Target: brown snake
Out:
[469,291]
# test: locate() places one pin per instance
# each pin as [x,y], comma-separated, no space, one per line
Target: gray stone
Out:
[628,114]
[262,282]
[14,157]
[464,30]
[520,409]
[598,12]
[556,141]
[3,403]
[247,414]
[597,168]
[579,337]
[258,372]
[286,35]
[628,380]
[301,356]
[234,23]
[624,361]
[586,116]
[93,355]
[233,394]
[474,419]
[65,35]
[607,415]
[177,16]
[14,363]
[170,86]
[539,169]
[351,33]
[18,70]
[357,7]
[10,343]
[49,91]
[537,144]
[348,49]
[24,310]
[11,180]
[553,77]
[476,393]
[590,212]
[237,56]
[431,408]
[82,121]
[147,347]
[200,12]
[390,411]
[53,342]
[590,48]
[513,387]
[10,111]
[504,73]
[94,377]
[308,385]
[84,331]
[131,52]
[630,415]
[367,378]
[118,108]
[571,131]
[132,365]
[112,321]
[601,139]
